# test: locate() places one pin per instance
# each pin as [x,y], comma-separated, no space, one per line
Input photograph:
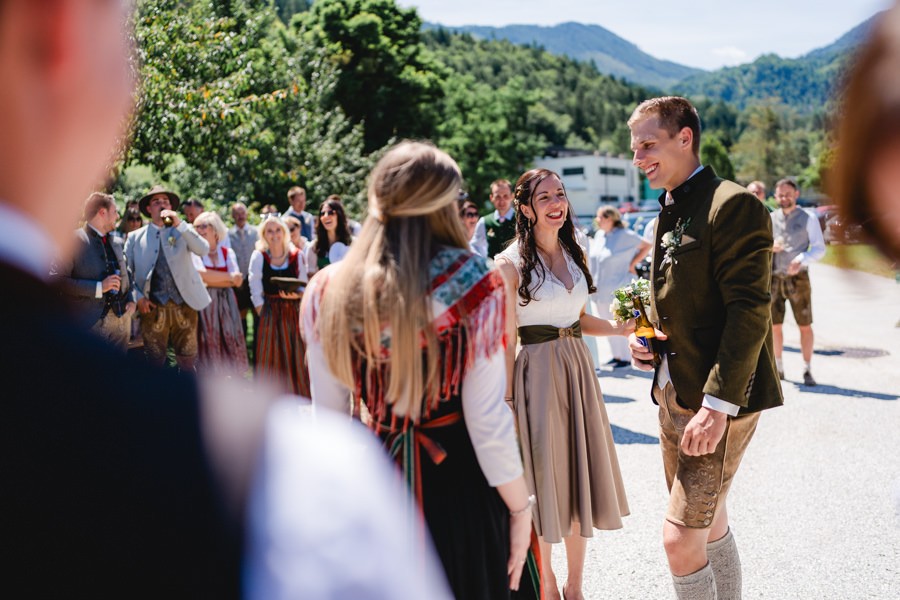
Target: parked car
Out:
[825,212]
[838,231]
[636,221]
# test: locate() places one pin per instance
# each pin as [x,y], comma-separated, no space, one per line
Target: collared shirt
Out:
[663,376]
[243,242]
[24,244]
[801,237]
[479,240]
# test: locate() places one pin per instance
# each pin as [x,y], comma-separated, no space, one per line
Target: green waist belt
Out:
[538,334]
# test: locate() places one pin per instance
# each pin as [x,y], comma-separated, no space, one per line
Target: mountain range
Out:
[804,82]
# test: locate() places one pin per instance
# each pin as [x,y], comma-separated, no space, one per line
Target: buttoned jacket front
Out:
[711,297]
[80,274]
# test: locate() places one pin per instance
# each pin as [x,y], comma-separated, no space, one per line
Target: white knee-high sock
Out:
[726,564]
[696,586]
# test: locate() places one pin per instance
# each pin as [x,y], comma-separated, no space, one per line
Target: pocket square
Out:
[686,239]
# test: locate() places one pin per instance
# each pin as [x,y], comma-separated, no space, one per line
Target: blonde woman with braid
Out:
[412,323]
[567,446]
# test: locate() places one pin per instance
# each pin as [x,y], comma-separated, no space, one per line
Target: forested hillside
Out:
[588,43]
[245,98]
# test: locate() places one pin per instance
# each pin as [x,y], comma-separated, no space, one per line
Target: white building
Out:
[592,179]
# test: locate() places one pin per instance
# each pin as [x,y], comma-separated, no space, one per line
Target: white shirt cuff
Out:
[719,405]
[99,292]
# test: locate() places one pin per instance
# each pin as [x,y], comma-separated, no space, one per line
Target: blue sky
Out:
[700,33]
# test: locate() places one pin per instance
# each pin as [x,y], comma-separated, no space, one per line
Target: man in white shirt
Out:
[709,302]
[297,197]
[96,278]
[242,239]
[798,242]
[494,232]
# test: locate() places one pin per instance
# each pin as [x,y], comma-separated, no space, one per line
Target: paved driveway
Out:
[815,506]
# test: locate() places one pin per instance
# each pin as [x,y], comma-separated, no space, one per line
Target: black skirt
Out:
[466,517]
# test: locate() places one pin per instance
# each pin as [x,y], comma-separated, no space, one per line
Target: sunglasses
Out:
[469,214]
[293,228]
[327,213]
[200,226]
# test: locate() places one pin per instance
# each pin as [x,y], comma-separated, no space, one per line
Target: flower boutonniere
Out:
[172,240]
[671,240]
[490,233]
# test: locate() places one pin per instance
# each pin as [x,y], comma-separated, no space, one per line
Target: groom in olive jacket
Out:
[710,283]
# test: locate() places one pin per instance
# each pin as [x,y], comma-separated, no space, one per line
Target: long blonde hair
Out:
[384,280]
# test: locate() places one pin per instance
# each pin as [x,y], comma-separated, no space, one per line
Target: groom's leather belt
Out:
[538,334]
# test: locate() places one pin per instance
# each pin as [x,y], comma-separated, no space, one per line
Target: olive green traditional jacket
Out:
[711,294]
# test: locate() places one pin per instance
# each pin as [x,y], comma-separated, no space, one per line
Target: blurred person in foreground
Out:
[113,495]
[710,303]
[412,325]
[865,181]
[96,279]
[220,339]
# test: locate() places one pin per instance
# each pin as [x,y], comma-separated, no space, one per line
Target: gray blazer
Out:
[142,249]
[79,276]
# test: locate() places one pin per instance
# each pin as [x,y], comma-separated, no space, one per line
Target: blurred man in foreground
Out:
[112,495]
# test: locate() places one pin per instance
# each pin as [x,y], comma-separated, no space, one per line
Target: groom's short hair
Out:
[674,114]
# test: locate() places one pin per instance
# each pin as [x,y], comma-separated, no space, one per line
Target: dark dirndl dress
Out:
[280,351]
[466,517]
[220,338]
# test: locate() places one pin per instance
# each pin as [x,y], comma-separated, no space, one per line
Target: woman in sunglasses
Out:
[468,214]
[131,221]
[295,226]
[333,237]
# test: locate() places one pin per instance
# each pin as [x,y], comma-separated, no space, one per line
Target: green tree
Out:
[386,78]
[232,104]
[713,153]
[488,131]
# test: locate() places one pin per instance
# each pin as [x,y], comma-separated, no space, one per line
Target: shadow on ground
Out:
[833,390]
[610,399]
[623,373]
[626,436]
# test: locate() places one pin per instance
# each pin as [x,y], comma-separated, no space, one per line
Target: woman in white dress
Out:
[333,237]
[567,446]
[615,251]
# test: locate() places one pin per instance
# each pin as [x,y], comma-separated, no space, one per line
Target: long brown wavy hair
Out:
[524,194]
[384,279]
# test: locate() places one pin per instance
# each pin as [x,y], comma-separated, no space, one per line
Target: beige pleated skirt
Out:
[567,445]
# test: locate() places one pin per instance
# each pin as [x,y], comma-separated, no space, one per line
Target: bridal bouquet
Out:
[622,305]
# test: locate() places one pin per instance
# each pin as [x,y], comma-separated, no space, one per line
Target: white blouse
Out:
[255,274]
[202,263]
[488,419]
[552,304]
[336,253]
